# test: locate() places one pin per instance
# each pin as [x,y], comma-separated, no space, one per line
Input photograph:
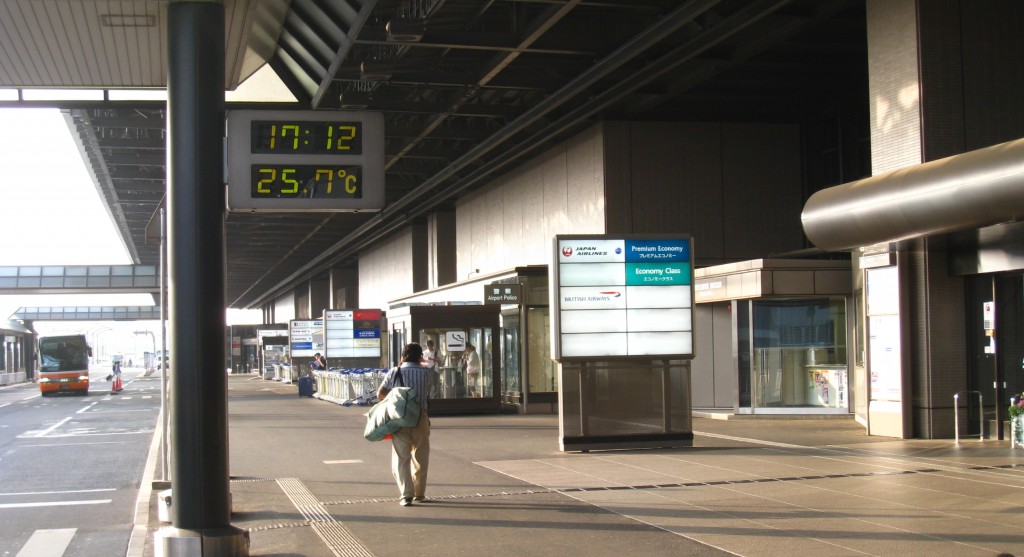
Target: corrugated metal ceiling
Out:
[468,89]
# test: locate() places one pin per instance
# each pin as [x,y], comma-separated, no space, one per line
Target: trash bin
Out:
[306,386]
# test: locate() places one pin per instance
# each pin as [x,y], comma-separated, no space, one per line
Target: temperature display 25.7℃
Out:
[307,137]
[307,181]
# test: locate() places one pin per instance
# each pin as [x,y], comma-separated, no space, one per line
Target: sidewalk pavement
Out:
[305,482]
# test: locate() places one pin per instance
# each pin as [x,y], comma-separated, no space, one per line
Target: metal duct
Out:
[972,190]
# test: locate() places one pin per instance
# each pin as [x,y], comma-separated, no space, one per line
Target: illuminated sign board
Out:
[305,337]
[352,333]
[622,297]
[305,160]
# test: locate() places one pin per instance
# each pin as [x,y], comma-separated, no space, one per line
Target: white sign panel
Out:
[455,341]
[352,333]
[306,337]
[622,297]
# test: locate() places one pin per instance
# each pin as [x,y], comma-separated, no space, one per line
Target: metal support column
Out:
[201,506]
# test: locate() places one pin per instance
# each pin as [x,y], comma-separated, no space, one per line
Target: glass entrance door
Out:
[1009,340]
[995,345]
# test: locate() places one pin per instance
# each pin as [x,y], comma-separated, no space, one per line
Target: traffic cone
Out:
[116,387]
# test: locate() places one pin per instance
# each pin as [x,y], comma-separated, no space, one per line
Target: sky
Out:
[51,212]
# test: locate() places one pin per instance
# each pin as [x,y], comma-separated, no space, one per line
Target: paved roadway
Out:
[70,466]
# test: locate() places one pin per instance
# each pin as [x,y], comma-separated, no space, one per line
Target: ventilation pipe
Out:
[972,190]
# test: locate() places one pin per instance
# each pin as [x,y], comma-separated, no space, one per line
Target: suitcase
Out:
[306,386]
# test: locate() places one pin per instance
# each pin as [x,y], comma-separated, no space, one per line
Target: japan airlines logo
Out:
[567,251]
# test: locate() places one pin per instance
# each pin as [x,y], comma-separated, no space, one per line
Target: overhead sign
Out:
[352,333]
[305,160]
[306,337]
[265,336]
[622,297]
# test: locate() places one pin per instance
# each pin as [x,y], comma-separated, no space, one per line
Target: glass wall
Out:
[511,384]
[798,355]
[464,364]
[541,371]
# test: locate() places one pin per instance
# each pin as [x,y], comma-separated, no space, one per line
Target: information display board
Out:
[622,297]
[352,333]
[305,160]
[305,337]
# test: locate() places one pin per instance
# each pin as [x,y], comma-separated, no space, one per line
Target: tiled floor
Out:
[883,498]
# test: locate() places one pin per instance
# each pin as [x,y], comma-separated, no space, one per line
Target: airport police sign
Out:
[622,297]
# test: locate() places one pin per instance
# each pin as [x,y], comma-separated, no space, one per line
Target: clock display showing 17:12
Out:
[306,137]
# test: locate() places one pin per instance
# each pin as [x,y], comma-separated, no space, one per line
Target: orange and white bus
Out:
[64,364]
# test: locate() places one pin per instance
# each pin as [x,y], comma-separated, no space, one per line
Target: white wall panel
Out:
[584,162]
[385,271]
[494,256]
[284,308]
[556,195]
[511,221]
[536,246]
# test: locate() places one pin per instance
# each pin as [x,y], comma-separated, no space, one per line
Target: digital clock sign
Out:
[309,181]
[304,160]
[307,137]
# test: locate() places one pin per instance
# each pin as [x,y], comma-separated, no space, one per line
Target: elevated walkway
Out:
[79,279]
[88,313]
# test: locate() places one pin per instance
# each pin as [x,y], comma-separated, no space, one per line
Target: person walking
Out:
[410,446]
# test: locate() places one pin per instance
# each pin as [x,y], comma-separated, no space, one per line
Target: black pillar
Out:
[198,396]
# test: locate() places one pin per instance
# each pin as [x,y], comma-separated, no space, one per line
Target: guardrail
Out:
[348,386]
[956,414]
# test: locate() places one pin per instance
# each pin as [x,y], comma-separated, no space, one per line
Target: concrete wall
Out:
[737,188]
[386,271]
[713,371]
[284,308]
[894,83]
[512,222]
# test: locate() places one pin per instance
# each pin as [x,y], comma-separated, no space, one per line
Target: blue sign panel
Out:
[366,333]
[657,251]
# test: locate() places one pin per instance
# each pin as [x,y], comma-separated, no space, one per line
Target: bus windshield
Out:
[64,353]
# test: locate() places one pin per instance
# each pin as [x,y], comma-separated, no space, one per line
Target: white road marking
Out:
[54,504]
[77,444]
[87,407]
[53,427]
[58,492]
[47,543]
[343,461]
[5,404]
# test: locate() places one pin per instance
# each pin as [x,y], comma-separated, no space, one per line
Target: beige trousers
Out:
[410,458]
